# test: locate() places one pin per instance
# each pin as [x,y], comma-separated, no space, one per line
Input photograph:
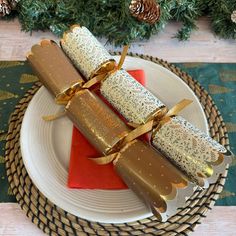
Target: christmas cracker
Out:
[131,99]
[139,106]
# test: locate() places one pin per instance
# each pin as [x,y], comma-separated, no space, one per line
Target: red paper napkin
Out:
[83,173]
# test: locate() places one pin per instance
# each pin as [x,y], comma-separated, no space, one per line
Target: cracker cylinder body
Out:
[99,124]
[53,68]
[86,52]
[130,98]
[153,178]
[194,152]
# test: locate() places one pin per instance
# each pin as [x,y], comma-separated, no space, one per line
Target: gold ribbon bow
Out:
[143,129]
[99,77]
[96,79]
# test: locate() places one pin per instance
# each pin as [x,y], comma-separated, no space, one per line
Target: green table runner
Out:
[218,79]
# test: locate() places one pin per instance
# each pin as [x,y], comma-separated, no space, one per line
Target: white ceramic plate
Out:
[45,149]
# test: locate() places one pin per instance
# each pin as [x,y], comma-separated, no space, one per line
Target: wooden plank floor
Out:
[202,47]
[13,222]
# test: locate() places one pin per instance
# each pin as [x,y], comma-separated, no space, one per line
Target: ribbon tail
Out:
[104,160]
[178,107]
[122,57]
[94,80]
[54,117]
[133,125]
[143,129]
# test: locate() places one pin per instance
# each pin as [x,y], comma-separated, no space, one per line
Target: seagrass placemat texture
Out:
[55,221]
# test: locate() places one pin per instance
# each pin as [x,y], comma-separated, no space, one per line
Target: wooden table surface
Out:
[203,46]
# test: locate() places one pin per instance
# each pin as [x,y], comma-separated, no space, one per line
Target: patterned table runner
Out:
[16,77]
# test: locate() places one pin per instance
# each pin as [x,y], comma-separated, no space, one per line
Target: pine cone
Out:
[145,10]
[13,3]
[233,16]
[6,6]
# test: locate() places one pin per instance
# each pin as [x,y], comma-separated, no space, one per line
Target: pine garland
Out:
[107,18]
[113,20]
[187,13]
[220,13]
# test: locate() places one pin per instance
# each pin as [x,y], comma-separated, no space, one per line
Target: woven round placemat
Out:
[55,221]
